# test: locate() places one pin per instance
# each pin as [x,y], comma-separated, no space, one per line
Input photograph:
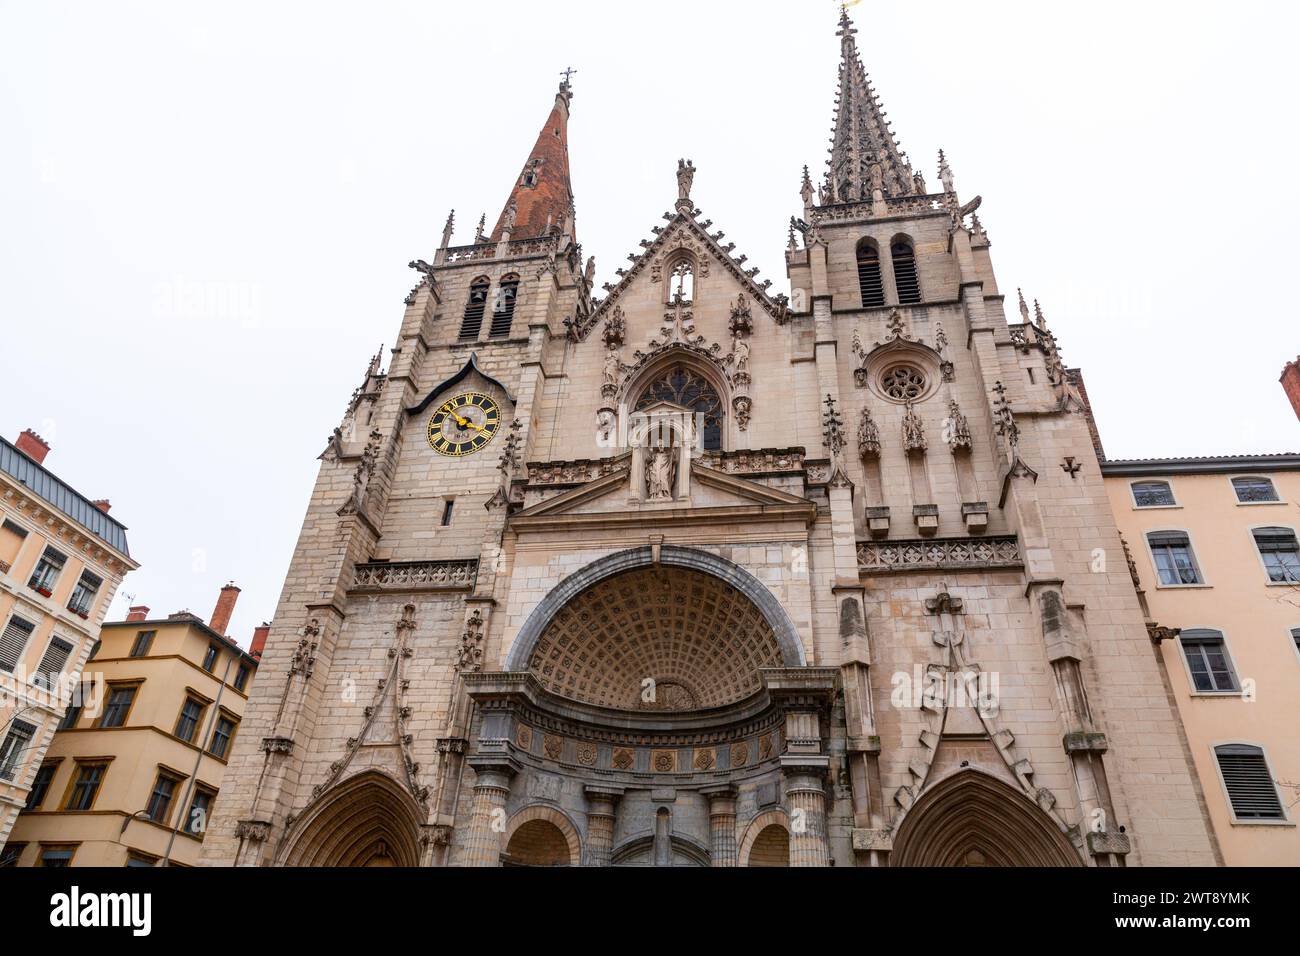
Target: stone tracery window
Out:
[903,383]
[682,386]
[681,281]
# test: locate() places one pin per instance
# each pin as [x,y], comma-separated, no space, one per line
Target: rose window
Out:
[903,383]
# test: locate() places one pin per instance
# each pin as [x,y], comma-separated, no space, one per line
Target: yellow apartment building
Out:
[1214,556]
[61,560]
[136,766]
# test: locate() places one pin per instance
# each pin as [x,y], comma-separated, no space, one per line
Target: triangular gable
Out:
[450,383]
[777,307]
[746,494]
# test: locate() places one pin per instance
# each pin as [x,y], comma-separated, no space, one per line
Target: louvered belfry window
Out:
[905,280]
[1250,785]
[474,309]
[503,308]
[869,281]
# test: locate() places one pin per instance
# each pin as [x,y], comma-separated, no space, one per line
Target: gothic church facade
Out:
[682,571]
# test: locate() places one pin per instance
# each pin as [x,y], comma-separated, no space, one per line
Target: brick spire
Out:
[865,157]
[542,197]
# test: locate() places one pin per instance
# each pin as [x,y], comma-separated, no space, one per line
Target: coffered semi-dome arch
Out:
[694,629]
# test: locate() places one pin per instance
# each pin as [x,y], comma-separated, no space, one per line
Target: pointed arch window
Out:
[905,280]
[472,321]
[683,386]
[681,281]
[503,307]
[869,281]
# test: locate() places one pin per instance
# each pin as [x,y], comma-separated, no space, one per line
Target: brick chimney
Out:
[1291,383]
[138,613]
[225,607]
[259,640]
[33,446]
[103,505]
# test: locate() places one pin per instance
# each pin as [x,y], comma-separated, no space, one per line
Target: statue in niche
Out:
[613,367]
[661,470]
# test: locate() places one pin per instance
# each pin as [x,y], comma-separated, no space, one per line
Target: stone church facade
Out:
[682,571]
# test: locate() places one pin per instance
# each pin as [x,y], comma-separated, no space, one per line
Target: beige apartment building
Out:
[136,767]
[62,558]
[1214,556]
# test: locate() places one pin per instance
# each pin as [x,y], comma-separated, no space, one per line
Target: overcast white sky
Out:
[206,211]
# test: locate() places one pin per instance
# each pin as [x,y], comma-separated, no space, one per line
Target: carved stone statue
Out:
[512,210]
[685,177]
[740,353]
[613,367]
[660,472]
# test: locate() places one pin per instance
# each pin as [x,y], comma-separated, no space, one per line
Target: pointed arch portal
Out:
[971,819]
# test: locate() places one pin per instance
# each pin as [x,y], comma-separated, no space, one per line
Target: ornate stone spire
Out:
[542,196]
[866,162]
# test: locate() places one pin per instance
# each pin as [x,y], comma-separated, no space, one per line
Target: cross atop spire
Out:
[866,162]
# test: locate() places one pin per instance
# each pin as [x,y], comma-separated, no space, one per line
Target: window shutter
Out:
[56,656]
[15,744]
[1250,787]
[13,641]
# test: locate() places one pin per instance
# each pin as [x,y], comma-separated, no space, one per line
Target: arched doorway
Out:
[971,819]
[766,841]
[368,820]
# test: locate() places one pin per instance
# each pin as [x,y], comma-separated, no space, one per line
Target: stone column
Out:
[488,814]
[600,824]
[722,825]
[807,803]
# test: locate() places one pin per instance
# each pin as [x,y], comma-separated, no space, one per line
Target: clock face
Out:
[464,424]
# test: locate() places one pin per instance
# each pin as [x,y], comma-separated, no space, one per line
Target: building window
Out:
[51,666]
[14,748]
[869,282]
[10,855]
[47,572]
[221,735]
[11,542]
[446,511]
[143,641]
[135,859]
[681,281]
[160,799]
[1280,552]
[905,280]
[40,786]
[83,595]
[241,678]
[682,387]
[210,657]
[188,722]
[472,321]
[1175,562]
[1254,490]
[200,813]
[120,699]
[1207,660]
[73,713]
[1249,784]
[1153,494]
[503,308]
[13,642]
[86,785]
[1295,637]
[57,855]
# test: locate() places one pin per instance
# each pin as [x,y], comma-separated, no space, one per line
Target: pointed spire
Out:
[945,174]
[542,197]
[1024,307]
[479,236]
[447,230]
[866,161]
